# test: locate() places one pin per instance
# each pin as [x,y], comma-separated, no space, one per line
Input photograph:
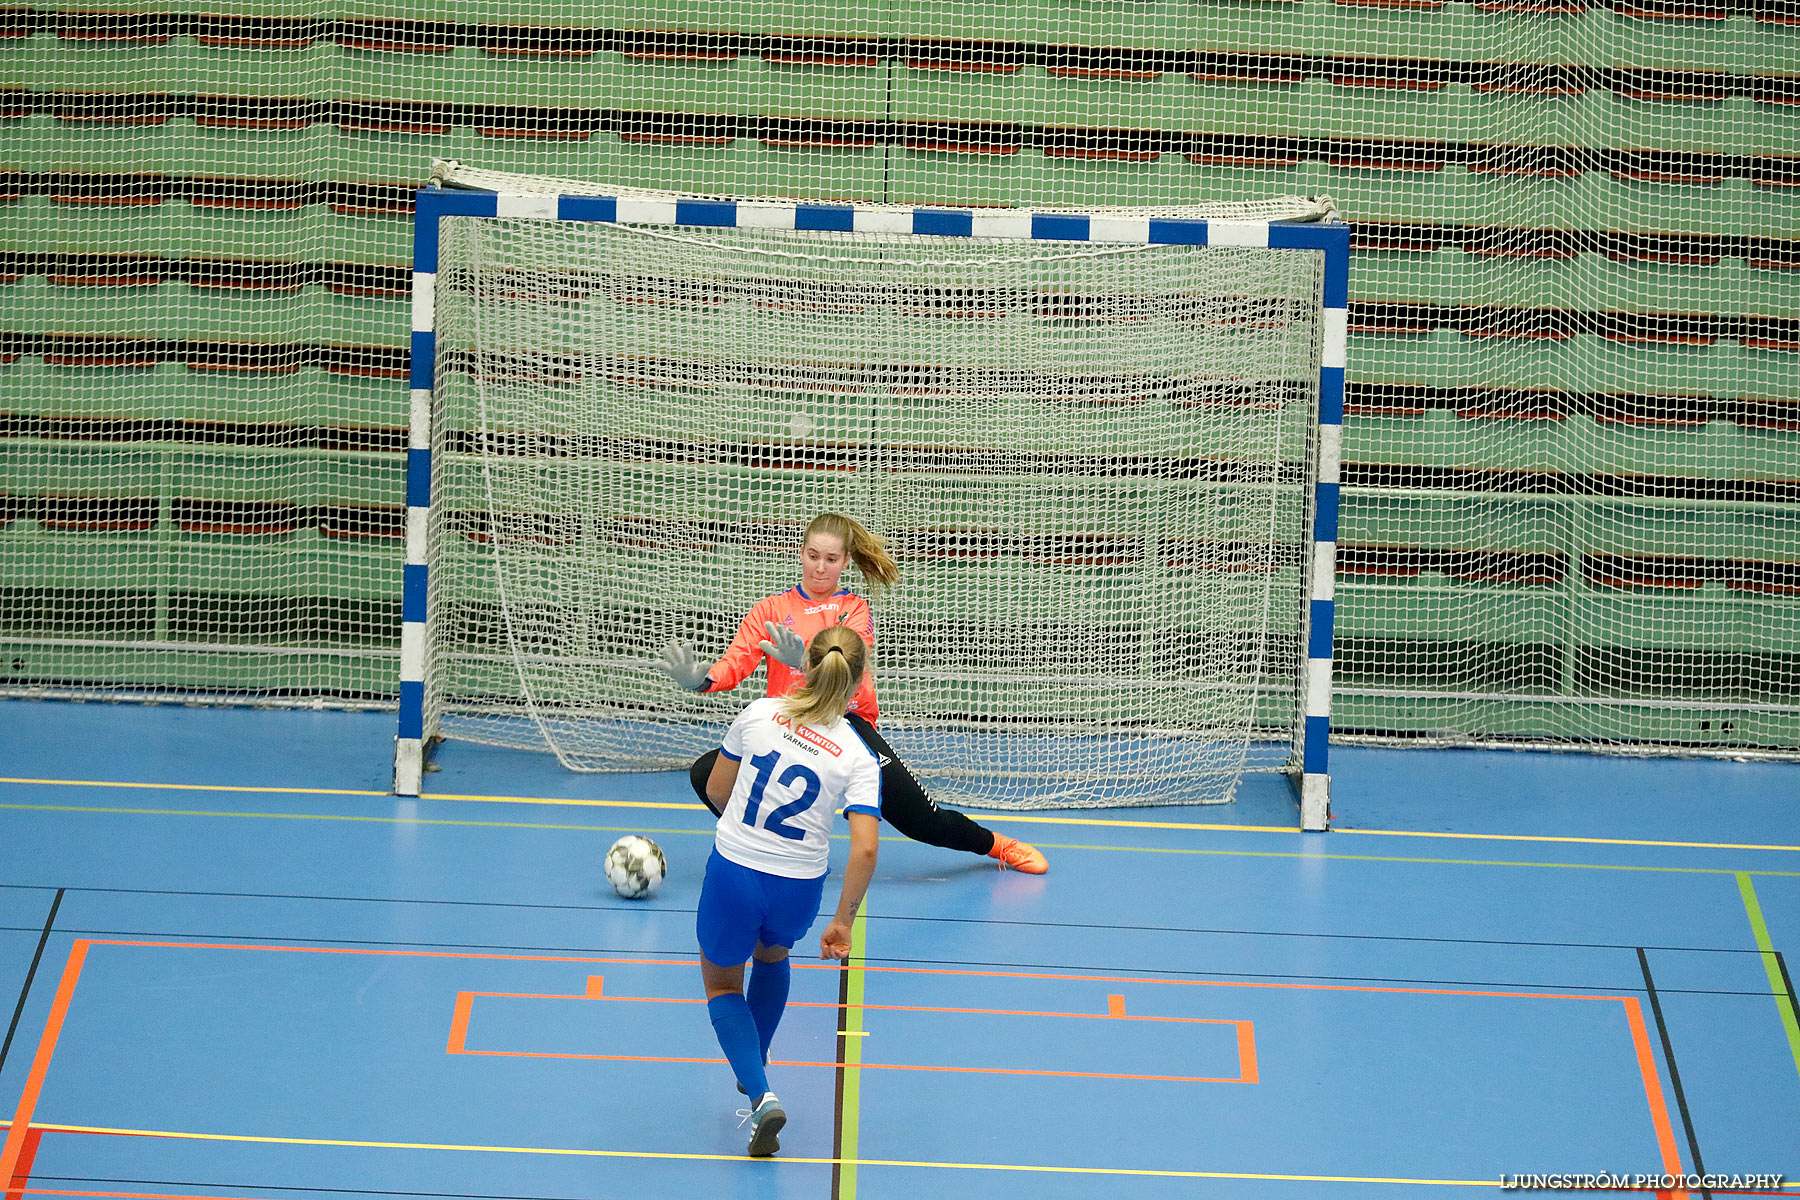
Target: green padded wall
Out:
[1572,445]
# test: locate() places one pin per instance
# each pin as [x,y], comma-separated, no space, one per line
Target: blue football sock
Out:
[767,996]
[736,1031]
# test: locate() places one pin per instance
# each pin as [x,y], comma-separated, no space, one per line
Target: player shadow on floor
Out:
[939,874]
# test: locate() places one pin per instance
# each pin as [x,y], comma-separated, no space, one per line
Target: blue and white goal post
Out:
[1328,238]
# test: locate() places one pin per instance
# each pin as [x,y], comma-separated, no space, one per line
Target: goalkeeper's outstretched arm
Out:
[679,663]
[745,653]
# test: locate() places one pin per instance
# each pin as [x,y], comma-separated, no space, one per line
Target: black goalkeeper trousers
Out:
[904,803]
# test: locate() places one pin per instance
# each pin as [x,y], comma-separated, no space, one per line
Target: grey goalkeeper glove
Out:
[677,661]
[784,646]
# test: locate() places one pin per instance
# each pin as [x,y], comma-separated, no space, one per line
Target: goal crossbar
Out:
[1327,237]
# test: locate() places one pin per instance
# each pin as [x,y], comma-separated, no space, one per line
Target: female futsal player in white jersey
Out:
[787,764]
[787,620]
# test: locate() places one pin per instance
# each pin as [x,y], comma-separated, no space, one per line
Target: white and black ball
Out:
[635,866]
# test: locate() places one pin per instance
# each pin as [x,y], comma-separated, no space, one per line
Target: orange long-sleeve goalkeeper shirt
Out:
[806,618]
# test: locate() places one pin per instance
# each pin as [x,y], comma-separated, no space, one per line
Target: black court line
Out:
[1172,973]
[1301,933]
[1662,1031]
[19,1008]
[1787,981]
[425,900]
[921,963]
[1070,925]
[837,1103]
[1251,933]
[1229,976]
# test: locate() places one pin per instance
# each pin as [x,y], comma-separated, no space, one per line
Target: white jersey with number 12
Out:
[791,780]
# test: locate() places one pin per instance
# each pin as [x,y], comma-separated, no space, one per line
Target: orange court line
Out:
[1243,983]
[40,1191]
[20,1130]
[459,1023]
[688,962]
[1116,1012]
[459,1031]
[568,958]
[1246,1037]
[21,1176]
[864,1065]
[37,1191]
[1659,1108]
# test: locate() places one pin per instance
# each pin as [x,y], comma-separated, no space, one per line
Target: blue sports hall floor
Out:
[233,966]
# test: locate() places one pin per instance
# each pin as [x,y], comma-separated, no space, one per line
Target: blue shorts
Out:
[740,907]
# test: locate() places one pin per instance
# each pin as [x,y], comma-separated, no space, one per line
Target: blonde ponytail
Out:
[835,660]
[866,550]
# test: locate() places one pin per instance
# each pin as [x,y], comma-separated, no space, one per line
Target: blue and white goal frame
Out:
[1329,238]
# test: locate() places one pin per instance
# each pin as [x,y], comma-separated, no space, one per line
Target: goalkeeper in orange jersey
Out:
[777,630]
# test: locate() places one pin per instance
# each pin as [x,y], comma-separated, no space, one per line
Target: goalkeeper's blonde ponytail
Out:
[866,550]
[835,660]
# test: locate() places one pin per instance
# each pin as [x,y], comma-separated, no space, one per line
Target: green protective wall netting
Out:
[1572,447]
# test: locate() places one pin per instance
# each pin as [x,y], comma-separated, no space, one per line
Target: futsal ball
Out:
[635,866]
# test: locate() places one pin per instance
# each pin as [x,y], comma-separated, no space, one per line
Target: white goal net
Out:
[1091,462]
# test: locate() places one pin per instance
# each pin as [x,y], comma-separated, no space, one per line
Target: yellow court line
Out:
[669,1156]
[298,791]
[1415,833]
[190,787]
[477,798]
[1109,823]
[1121,823]
[1306,852]
[1585,841]
[684,805]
